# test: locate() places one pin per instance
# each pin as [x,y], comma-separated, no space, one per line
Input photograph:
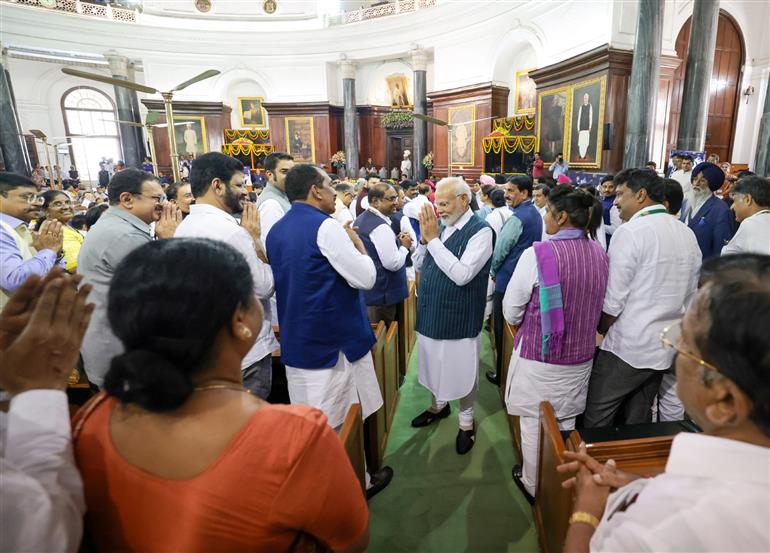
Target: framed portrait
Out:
[525,94]
[398,90]
[190,133]
[299,139]
[552,113]
[587,123]
[463,135]
[252,113]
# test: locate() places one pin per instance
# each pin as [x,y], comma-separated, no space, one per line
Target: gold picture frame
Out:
[587,144]
[552,136]
[191,139]
[462,150]
[521,86]
[246,107]
[300,132]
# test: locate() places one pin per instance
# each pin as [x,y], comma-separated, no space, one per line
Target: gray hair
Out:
[461,187]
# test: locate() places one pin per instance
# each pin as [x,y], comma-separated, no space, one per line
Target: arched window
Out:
[89,121]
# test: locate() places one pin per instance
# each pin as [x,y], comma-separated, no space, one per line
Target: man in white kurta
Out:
[454,263]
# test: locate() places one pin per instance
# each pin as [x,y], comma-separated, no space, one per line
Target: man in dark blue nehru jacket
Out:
[387,252]
[320,269]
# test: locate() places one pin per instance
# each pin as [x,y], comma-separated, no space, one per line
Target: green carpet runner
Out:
[440,501]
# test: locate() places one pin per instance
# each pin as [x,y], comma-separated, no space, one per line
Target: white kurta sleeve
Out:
[336,246]
[42,502]
[406,226]
[519,290]
[264,285]
[270,212]
[461,271]
[391,256]
[623,267]
[615,220]
[418,257]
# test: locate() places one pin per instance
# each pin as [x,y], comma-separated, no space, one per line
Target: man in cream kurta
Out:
[454,264]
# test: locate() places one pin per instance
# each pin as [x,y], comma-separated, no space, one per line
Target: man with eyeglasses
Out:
[388,252]
[453,261]
[136,201]
[24,253]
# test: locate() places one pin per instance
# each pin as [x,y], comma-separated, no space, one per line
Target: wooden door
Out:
[726,75]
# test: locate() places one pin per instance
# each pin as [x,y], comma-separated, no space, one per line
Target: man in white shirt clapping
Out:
[751,204]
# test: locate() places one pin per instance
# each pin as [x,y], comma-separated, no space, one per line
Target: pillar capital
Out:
[118,64]
[419,59]
[347,68]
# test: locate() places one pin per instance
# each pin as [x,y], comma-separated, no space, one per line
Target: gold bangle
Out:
[582,516]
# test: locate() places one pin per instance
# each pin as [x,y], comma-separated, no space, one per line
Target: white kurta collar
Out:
[700,455]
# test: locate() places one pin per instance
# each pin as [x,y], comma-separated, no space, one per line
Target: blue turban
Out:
[712,173]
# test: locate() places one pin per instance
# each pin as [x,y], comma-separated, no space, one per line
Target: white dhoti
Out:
[670,407]
[529,383]
[334,390]
[450,370]
[584,138]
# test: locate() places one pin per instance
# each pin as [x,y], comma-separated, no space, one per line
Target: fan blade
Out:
[40,135]
[176,124]
[201,77]
[429,119]
[109,80]
[122,122]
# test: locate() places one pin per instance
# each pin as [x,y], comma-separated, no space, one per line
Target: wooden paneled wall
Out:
[327,127]
[729,57]
[490,101]
[373,140]
[215,114]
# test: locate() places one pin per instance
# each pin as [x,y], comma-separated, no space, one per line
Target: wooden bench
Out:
[640,448]
[376,424]
[352,436]
[392,373]
[509,333]
[406,332]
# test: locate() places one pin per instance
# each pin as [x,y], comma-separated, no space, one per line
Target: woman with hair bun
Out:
[175,454]
[555,298]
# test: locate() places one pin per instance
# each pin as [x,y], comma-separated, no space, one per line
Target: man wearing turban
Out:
[708,216]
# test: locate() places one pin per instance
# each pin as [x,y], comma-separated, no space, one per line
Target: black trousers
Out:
[497,327]
[619,393]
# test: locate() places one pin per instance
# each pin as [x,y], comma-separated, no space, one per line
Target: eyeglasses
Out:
[672,338]
[33,199]
[157,199]
[444,204]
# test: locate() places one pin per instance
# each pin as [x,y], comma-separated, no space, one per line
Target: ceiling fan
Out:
[450,128]
[167,98]
[149,124]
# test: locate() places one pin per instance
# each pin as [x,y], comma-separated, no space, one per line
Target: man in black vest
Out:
[388,253]
[454,262]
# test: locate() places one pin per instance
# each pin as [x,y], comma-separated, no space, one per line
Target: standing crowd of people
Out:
[639,300]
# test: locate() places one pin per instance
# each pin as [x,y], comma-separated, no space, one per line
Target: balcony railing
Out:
[87,9]
[384,10]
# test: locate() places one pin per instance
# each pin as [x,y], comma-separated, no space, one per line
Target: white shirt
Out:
[498,217]
[713,496]
[270,212]
[615,221]
[753,235]
[654,265]
[685,180]
[449,368]
[342,213]
[207,221]
[336,246]
[383,238]
[414,207]
[42,501]
[460,271]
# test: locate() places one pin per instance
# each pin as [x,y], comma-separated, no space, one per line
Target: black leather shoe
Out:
[426,417]
[493,378]
[516,473]
[379,481]
[465,440]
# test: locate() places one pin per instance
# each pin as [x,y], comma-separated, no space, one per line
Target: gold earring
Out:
[246,333]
